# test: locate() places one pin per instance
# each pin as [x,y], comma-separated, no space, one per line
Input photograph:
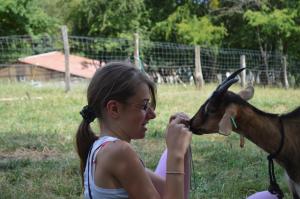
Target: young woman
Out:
[123,100]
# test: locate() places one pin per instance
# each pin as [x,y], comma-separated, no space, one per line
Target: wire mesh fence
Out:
[164,62]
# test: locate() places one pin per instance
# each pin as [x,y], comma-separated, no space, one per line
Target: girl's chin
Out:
[139,137]
[142,133]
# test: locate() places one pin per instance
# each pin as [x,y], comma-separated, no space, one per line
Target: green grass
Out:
[38,160]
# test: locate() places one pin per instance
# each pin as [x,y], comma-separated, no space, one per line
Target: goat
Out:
[226,111]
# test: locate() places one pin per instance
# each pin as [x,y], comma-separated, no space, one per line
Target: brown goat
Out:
[224,109]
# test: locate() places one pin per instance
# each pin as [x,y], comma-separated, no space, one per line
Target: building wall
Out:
[21,72]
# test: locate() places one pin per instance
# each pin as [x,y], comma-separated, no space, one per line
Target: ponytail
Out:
[85,138]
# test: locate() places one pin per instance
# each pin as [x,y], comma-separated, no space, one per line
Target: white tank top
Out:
[95,191]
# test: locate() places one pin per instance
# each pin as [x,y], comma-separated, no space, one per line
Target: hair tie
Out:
[88,114]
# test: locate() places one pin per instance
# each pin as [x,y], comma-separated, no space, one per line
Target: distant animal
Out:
[226,111]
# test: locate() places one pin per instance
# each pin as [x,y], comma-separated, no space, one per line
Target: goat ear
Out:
[247,93]
[225,125]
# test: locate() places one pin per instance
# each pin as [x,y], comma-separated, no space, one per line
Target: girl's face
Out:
[136,113]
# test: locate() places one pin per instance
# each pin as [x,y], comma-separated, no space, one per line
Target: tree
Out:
[274,30]
[230,14]
[160,10]
[19,17]
[167,30]
[200,31]
[184,27]
[64,11]
[110,18]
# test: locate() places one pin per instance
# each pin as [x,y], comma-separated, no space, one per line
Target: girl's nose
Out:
[151,113]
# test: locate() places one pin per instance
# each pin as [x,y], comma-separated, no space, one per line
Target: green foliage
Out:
[181,26]
[265,25]
[277,23]
[214,4]
[200,31]
[158,10]
[167,29]
[19,17]
[110,17]
[276,27]
[16,47]
[63,11]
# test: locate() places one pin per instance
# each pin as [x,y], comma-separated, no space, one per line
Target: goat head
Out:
[216,113]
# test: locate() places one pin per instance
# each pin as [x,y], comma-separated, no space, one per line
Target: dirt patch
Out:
[33,154]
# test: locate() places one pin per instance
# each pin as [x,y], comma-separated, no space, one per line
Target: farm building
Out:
[48,66]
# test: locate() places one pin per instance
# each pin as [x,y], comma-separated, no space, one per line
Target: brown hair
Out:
[114,81]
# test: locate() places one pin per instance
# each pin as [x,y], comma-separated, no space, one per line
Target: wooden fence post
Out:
[285,78]
[136,51]
[198,70]
[64,31]
[9,74]
[243,74]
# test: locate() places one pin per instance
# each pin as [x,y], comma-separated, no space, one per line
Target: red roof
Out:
[79,66]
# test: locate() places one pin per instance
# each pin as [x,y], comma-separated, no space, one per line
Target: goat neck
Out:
[263,129]
[259,127]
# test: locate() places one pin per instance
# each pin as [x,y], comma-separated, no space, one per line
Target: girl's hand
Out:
[178,136]
[185,118]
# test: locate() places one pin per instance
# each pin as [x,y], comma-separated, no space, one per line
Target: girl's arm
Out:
[158,182]
[127,168]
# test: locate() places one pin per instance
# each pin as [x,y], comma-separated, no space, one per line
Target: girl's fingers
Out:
[183,118]
[175,120]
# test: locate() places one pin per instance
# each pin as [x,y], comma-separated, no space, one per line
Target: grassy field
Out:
[38,160]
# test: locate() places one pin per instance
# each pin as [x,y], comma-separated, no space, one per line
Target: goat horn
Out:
[226,84]
[221,88]
[233,75]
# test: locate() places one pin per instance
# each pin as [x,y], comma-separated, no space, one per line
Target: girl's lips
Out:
[144,126]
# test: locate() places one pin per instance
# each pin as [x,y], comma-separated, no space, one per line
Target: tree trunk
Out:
[264,55]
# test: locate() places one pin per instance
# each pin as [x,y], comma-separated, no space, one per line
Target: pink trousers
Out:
[162,167]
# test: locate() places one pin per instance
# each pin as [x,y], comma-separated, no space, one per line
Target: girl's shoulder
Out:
[119,149]
[115,150]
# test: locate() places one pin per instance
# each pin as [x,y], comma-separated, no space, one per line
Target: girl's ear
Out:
[113,108]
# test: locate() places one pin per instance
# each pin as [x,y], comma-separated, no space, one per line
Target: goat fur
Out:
[258,126]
